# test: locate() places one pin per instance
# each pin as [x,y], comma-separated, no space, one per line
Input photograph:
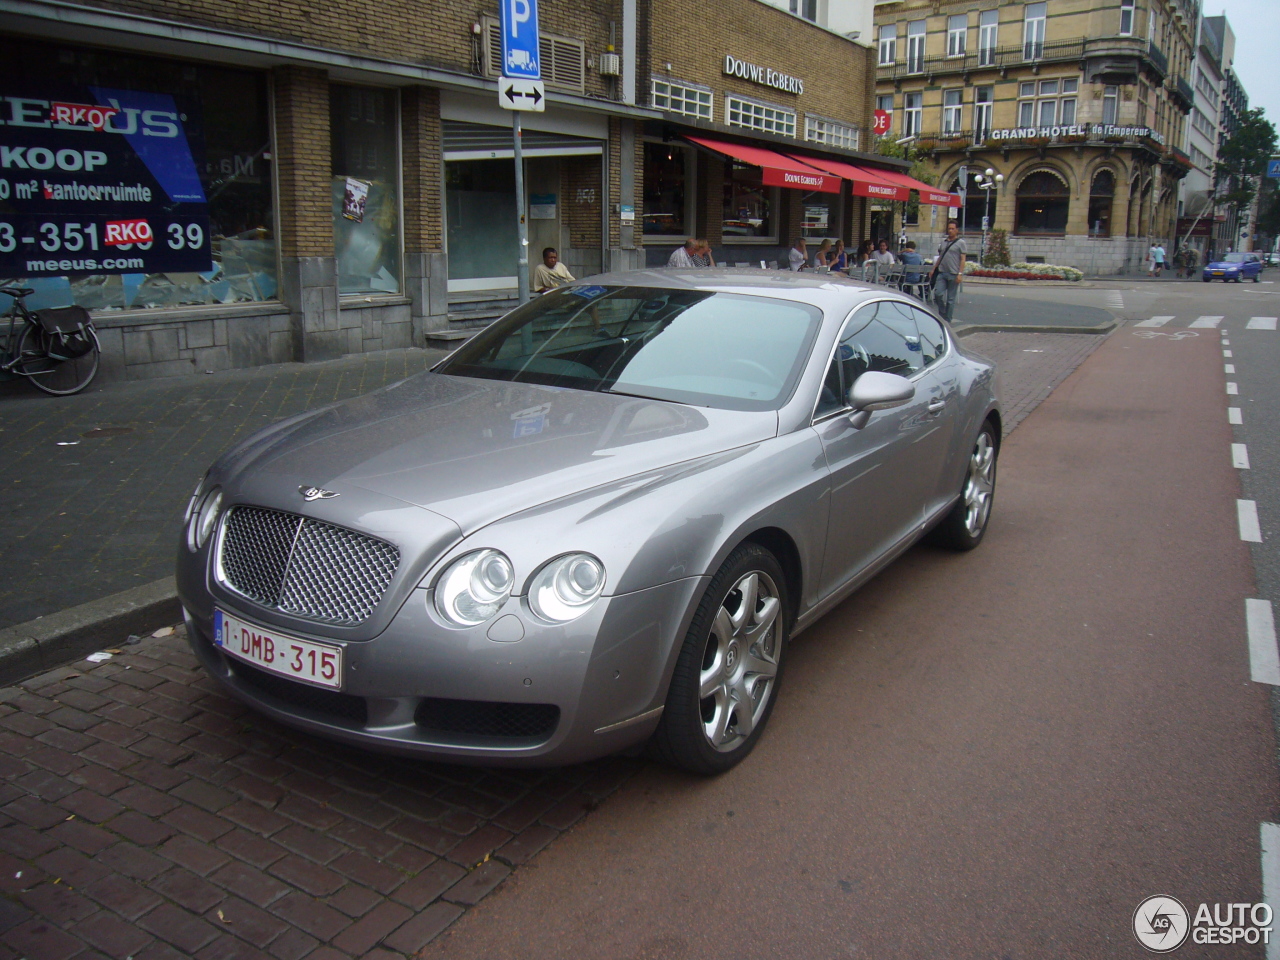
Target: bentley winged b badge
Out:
[316,493]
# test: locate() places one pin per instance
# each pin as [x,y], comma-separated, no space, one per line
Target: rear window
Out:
[689,346]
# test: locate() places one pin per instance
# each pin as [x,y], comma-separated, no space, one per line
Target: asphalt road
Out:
[994,755]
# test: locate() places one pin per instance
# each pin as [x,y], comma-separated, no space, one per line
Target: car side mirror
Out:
[876,390]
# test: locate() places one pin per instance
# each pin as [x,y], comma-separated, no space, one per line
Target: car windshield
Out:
[1235,258]
[690,346]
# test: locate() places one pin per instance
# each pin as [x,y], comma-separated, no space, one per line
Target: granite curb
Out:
[1097,329]
[46,642]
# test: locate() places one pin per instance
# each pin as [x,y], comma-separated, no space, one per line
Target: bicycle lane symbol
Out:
[1153,334]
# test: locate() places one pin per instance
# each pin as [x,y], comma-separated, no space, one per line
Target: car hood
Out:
[477,450]
[1223,265]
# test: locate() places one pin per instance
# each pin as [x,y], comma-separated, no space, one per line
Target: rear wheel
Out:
[964,527]
[58,377]
[726,678]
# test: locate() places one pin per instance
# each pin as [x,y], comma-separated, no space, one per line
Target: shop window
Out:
[204,187]
[1101,196]
[988,29]
[888,44]
[666,191]
[682,98]
[365,154]
[831,132]
[748,204]
[957,29]
[740,112]
[480,202]
[820,216]
[1043,203]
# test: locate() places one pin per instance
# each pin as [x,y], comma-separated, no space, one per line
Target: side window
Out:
[878,347]
[831,398]
[933,340]
[881,336]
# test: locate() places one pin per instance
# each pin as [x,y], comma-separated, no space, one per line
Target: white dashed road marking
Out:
[1233,416]
[1261,323]
[1240,456]
[1210,322]
[1226,353]
[1154,322]
[1232,389]
[1228,367]
[1247,516]
[1264,657]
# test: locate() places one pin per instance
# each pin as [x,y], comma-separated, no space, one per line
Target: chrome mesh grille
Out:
[305,567]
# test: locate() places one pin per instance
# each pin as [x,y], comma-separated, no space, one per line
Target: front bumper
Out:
[605,675]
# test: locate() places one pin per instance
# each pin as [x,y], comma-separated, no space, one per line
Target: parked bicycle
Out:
[56,349]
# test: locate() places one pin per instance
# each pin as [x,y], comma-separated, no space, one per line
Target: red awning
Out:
[779,170]
[866,182]
[928,194]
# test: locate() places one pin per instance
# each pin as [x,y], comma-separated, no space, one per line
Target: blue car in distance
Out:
[1234,266]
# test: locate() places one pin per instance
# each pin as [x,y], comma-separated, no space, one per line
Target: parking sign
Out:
[520,39]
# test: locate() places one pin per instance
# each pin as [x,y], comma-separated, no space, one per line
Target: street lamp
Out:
[987,181]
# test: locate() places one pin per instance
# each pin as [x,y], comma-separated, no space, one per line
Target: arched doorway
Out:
[1102,195]
[1043,205]
[975,205]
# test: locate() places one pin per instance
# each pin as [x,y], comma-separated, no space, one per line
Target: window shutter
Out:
[562,59]
[567,57]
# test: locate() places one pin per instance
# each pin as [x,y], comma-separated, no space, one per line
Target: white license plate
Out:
[305,660]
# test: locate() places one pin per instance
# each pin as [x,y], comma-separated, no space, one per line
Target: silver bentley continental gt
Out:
[595,526]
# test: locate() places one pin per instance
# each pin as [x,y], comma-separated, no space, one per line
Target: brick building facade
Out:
[355,168]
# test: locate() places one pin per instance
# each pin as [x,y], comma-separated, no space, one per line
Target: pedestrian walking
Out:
[948,270]
[1159,257]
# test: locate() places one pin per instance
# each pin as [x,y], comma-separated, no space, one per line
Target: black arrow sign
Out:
[534,95]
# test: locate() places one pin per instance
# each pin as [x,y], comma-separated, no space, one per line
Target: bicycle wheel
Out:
[58,377]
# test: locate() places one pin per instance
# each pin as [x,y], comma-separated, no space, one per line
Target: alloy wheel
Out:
[980,484]
[740,662]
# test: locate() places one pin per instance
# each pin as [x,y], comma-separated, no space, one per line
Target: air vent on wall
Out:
[563,59]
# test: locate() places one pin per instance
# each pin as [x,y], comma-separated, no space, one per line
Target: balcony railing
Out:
[1012,55]
[1182,88]
[1157,58]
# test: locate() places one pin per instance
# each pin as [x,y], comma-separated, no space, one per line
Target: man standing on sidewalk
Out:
[948,270]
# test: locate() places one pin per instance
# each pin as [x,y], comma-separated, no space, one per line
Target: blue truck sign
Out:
[520,39]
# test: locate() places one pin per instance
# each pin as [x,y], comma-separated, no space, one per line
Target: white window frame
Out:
[988,36]
[982,112]
[766,117]
[912,116]
[884,101]
[1127,13]
[916,33]
[678,97]
[831,132]
[1111,99]
[957,36]
[1033,28]
[888,44]
[953,113]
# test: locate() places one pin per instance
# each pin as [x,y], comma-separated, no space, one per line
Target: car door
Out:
[881,476]
[942,446]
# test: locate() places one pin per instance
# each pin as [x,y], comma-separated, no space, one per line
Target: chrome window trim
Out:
[814,418]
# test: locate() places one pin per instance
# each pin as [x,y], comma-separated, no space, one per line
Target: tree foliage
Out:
[1243,159]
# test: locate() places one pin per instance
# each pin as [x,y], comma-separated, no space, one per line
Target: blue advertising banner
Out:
[520,39]
[99,181]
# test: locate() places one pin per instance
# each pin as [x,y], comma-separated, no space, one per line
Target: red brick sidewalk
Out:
[143,813]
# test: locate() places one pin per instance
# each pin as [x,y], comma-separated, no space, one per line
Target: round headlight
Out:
[565,588]
[204,518]
[195,498]
[474,588]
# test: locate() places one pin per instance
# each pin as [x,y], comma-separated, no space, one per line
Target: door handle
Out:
[935,406]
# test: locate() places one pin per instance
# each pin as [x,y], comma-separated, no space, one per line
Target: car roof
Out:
[830,292]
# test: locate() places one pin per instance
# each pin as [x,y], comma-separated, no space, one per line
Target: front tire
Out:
[726,678]
[964,527]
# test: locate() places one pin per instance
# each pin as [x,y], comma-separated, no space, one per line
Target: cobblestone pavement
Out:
[92,487]
[145,814]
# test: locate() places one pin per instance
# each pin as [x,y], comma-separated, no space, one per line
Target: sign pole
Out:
[522,254]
